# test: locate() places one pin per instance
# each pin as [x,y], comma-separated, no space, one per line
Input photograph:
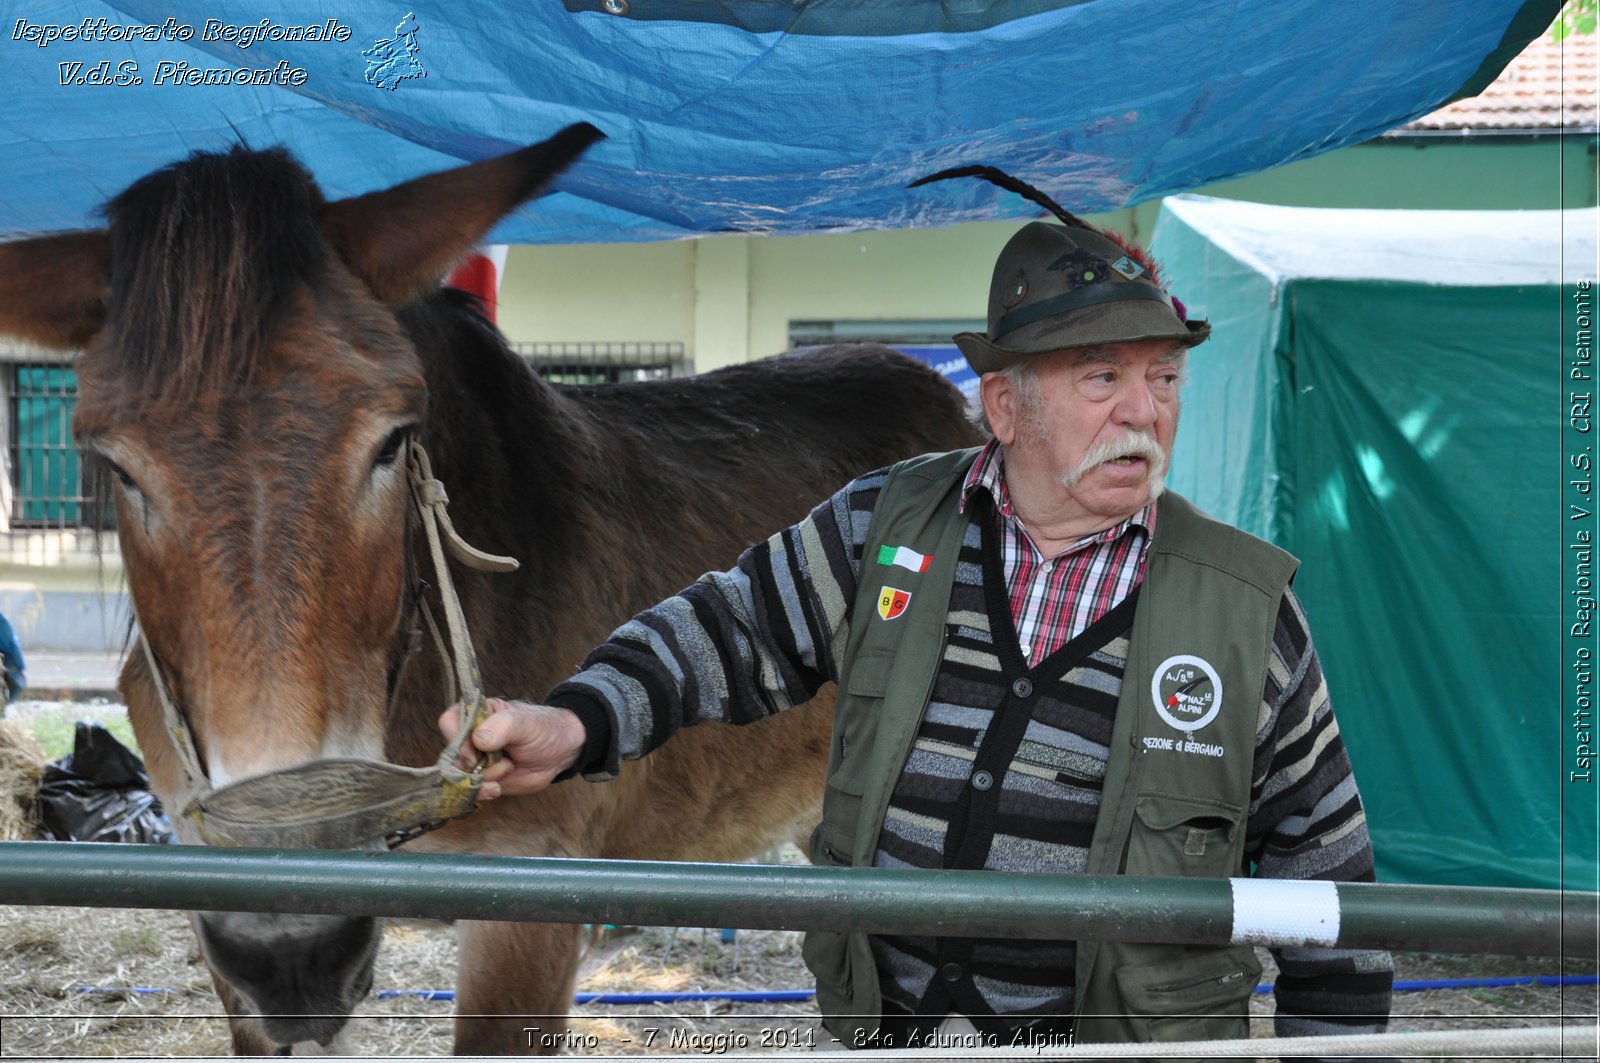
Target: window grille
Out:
[605,363]
[46,465]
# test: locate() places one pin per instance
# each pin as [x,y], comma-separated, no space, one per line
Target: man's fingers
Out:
[484,737]
[487,737]
[537,743]
[501,728]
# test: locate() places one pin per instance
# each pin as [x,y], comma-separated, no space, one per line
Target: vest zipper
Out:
[1177,987]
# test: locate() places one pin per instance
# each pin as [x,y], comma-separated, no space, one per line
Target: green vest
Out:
[1177,782]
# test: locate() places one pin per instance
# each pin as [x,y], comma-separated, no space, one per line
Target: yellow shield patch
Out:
[892,602]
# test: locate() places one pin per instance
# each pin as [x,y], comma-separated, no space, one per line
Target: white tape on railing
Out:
[1272,911]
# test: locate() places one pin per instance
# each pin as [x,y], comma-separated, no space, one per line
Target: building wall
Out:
[1482,172]
[909,275]
[608,292]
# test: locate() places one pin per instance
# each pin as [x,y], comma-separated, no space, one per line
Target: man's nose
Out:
[1136,406]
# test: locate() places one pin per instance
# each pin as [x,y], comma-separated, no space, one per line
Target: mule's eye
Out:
[391,447]
[122,475]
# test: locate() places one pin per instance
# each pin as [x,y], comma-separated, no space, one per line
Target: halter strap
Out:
[194,773]
[432,500]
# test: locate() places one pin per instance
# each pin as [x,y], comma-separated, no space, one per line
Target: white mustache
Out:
[1134,444]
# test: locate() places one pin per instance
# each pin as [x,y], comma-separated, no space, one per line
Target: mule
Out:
[253,361]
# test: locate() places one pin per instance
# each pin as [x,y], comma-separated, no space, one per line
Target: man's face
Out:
[1094,442]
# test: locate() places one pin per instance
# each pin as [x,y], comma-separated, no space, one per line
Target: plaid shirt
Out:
[1054,599]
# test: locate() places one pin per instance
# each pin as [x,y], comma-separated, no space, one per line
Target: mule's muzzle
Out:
[336,803]
[300,975]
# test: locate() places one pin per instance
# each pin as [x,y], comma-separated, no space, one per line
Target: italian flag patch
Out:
[905,557]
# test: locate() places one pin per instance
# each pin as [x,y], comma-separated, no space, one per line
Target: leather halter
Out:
[352,802]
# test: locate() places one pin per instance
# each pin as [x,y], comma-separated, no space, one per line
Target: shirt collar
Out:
[988,473]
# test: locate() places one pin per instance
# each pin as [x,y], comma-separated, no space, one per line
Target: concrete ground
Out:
[72,675]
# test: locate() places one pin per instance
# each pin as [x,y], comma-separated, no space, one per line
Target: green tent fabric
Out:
[1384,396]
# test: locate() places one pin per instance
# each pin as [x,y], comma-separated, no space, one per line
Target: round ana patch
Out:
[1187,691]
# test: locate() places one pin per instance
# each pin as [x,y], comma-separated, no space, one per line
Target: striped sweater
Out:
[766,635]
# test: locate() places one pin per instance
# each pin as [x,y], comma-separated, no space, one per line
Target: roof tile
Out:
[1549,86]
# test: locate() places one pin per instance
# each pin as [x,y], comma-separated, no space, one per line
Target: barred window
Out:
[605,363]
[46,465]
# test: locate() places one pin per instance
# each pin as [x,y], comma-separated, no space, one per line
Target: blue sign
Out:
[948,360]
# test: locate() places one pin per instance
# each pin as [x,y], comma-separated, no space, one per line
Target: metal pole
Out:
[942,903]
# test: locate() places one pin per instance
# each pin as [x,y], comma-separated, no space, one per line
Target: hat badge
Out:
[1018,289]
[1128,267]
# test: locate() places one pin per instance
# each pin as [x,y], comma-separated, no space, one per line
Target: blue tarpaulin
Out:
[730,115]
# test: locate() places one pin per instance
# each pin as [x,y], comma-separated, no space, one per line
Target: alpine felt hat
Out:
[1059,286]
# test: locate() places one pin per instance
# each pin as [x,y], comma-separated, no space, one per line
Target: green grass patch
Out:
[54,726]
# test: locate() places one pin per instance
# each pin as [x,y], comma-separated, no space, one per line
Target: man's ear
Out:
[1000,401]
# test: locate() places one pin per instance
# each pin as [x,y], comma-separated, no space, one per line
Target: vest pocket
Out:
[835,958]
[855,735]
[1184,836]
[827,953]
[1201,995]
[850,1006]
[830,846]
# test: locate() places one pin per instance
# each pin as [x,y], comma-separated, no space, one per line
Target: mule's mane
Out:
[205,256]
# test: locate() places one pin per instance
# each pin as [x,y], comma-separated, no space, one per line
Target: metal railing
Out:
[872,900]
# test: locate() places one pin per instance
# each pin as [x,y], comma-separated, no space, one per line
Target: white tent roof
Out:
[1464,248]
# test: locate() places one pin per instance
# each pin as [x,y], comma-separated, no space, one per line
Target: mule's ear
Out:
[53,288]
[403,240]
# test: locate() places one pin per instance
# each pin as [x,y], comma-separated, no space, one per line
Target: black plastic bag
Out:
[100,793]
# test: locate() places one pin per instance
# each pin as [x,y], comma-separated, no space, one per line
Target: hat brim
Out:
[1129,321]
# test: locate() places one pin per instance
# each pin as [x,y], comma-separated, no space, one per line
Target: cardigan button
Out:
[1022,687]
[951,972]
[982,780]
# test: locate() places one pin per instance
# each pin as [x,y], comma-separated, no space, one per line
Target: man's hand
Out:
[535,742]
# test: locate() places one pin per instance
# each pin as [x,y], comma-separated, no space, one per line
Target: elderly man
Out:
[1045,664]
